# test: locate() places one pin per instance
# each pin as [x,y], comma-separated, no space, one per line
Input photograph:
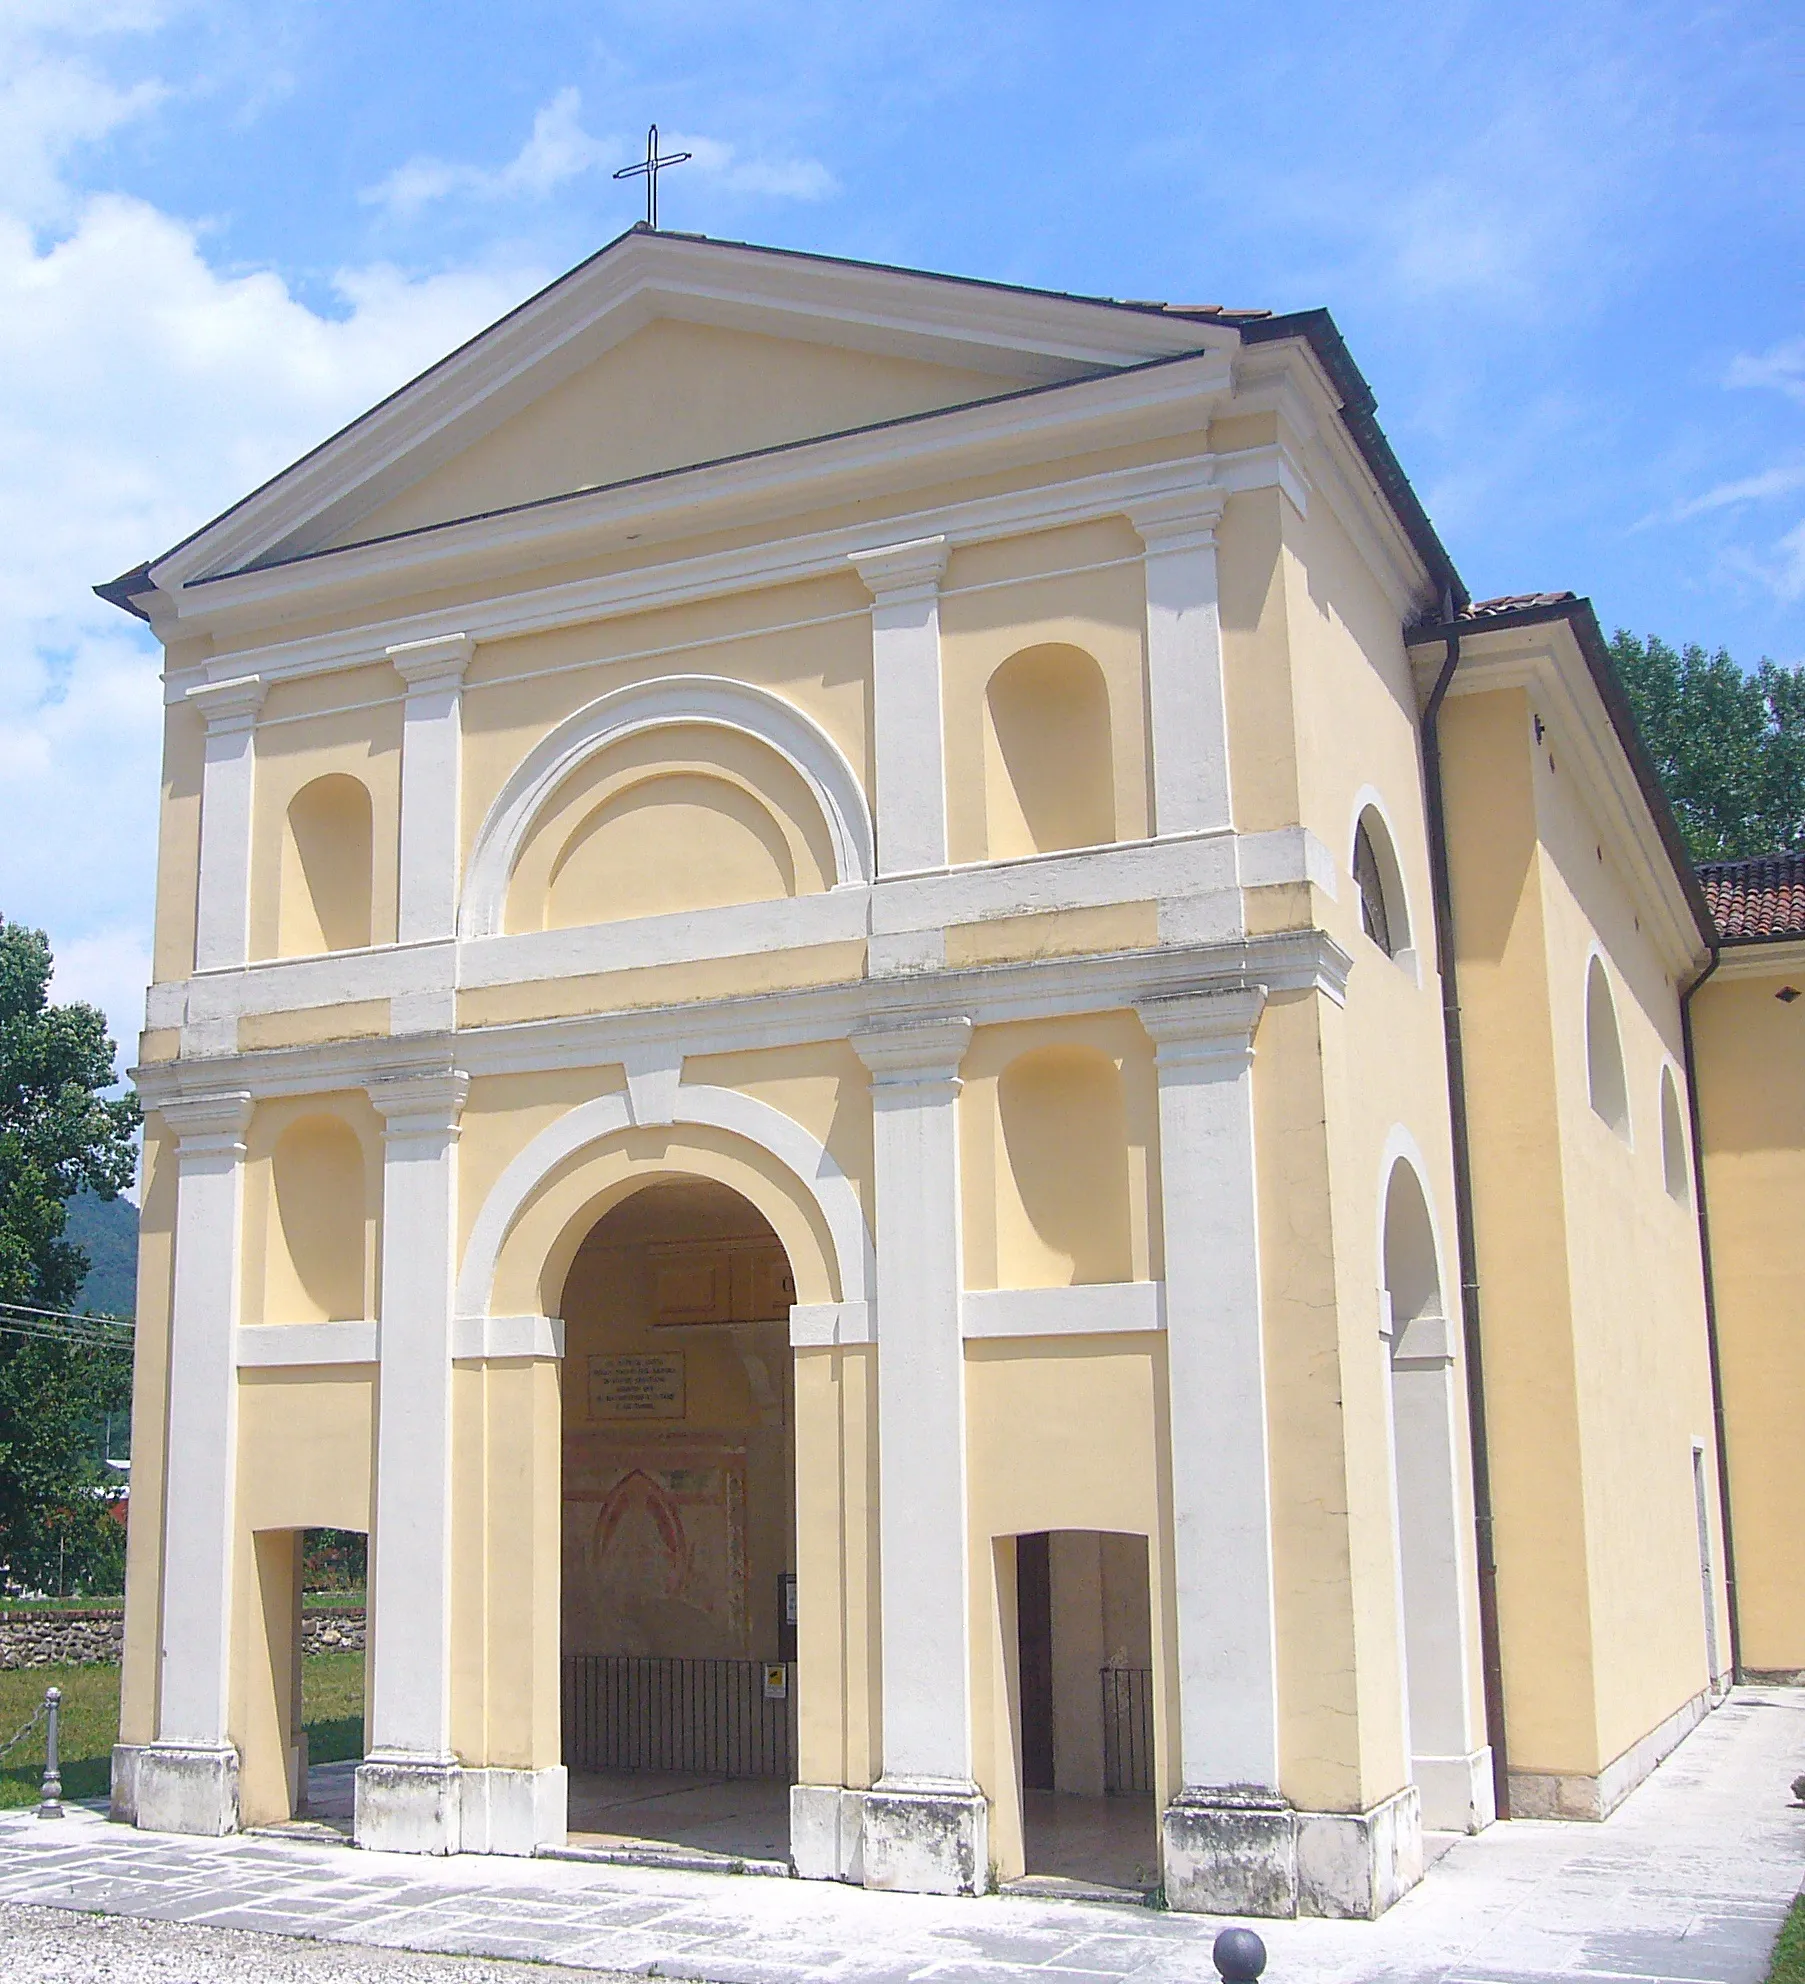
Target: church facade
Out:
[881,1025]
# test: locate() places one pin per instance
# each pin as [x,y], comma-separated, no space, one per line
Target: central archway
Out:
[678,1558]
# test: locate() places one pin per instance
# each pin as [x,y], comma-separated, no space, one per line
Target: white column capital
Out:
[426,1104]
[1190,1028]
[1179,520]
[914,1052]
[206,1124]
[438,663]
[896,572]
[229,706]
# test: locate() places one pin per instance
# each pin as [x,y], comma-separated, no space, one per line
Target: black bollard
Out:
[1239,1956]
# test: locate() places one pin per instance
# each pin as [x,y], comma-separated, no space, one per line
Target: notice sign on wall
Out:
[636,1385]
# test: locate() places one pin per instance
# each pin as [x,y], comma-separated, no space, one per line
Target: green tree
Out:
[59,1131]
[1730,746]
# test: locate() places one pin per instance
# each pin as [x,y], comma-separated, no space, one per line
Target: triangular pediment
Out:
[672,395]
[660,353]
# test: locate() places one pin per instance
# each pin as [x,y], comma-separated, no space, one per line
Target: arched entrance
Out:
[678,1521]
[1448,1761]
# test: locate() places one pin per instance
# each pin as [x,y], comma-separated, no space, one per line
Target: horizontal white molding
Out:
[987,995]
[277,1346]
[1101,1308]
[474,1338]
[782,560]
[817,1325]
[1169,870]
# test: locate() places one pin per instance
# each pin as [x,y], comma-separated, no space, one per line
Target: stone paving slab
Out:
[1686,1883]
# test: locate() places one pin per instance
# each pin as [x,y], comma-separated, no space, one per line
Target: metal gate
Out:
[1127,1730]
[626,1711]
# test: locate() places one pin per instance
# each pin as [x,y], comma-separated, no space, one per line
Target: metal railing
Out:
[1127,1730]
[627,1711]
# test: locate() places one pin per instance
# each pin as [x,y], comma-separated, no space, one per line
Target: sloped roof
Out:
[1757,902]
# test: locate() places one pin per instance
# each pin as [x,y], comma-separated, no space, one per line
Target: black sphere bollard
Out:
[1239,1956]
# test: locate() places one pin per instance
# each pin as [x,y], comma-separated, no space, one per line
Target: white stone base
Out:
[827,1833]
[408,1805]
[513,1811]
[925,1837]
[1354,1865]
[1458,1794]
[1550,1794]
[181,1787]
[1237,1851]
[123,1804]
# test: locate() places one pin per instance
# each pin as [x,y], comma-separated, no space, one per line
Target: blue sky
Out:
[1563,241]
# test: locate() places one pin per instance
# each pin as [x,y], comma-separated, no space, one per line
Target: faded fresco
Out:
[655,1546]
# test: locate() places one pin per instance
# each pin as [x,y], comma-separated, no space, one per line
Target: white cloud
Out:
[1770,482]
[142,389]
[1782,369]
[559,150]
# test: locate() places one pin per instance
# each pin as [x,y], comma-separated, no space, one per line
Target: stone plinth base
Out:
[1239,1851]
[178,1787]
[1548,1794]
[925,1837]
[513,1811]
[827,1833]
[409,1805]
[1457,1792]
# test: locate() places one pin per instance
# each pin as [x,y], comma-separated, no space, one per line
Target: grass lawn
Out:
[332,1703]
[1788,1966]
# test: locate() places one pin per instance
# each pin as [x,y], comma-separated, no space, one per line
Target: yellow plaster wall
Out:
[1060,1433]
[348,725]
[662,985]
[1051,1202]
[1749,1046]
[178,843]
[1253,606]
[1039,608]
[673,394]
[312,1210]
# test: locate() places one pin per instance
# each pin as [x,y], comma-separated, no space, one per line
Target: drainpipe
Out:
[1719,1427]
[1490,1647]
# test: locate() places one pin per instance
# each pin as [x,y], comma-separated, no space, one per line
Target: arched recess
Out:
[315,1260]
[551,1194]
[1675,1170]
[323,896]
[1449,1765]
[1063,1198]
[1379,882]
[1606,1088]
[1049,772]
[704,701]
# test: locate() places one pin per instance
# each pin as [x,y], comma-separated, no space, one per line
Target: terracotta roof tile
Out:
[1756,901]
[1515,602]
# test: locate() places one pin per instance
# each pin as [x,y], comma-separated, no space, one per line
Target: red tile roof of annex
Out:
[1757,902]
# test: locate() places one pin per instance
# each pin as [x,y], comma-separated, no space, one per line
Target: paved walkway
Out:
[1688,1881]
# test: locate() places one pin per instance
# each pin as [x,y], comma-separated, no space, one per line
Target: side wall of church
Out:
[1751,1081]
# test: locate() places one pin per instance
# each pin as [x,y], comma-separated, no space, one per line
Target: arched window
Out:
[1604,1053]
[1412,1279]
[1673,1141]
[1384,915]
[1063,1197]
[1049,774]
[315,1270]
[324,901]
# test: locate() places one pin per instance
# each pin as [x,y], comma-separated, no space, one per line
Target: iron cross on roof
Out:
[651,165]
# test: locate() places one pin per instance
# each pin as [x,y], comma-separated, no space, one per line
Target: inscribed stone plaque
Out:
[636,1385]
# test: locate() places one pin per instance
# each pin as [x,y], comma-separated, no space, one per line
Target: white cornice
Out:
[1545,659]
[779,561]
[985,995]
[1769,957]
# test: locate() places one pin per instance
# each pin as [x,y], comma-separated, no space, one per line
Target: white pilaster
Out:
[1228,1711]
[431,770]
[1189,720]
[925,1822]
[228,779]
[407,1791]
[187,1779]
[904,580]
